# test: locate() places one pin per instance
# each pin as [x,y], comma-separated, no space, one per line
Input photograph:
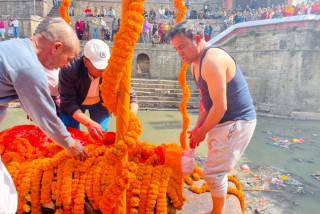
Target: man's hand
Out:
[195,137]
[95,130]
[77,151]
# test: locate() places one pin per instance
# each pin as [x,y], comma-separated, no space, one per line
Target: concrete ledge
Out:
[305,115]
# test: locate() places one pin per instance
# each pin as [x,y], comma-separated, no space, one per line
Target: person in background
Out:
[95,27]
[79,29]
[79,90]
[16,28]
[2,28]
[102,12]
[152,15]
[114,26]
[224,26]
[207,32]
[103,27]
[86,29]
[70,10]
[145,31]
[22,78]
[161,13]
[238,18]
[10,28]
[88,12]
[111,13]
[188,6]
[226,111]
[156,39]
[95,12]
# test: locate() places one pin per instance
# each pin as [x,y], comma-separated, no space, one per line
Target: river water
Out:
[298,162]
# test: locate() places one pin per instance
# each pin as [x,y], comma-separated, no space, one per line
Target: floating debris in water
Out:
[268,179]
[316,175]
[284,143]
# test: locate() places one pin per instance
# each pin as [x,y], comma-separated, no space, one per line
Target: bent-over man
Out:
[22,77]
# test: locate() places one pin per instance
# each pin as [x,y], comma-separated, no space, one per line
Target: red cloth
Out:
[206,37]
[315,9]
[264,15]
[87,11]
[80,25]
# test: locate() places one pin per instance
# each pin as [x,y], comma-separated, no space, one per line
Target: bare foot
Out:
[202,212]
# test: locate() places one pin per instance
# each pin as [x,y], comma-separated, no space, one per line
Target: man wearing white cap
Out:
[79,90]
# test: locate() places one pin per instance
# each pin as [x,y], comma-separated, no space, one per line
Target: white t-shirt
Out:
[53,81]
[15,23]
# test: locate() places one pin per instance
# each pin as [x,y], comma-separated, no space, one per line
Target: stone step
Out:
[159,86]
[163,93]
[166,104]
[159,81]
[163,98]
[54,12]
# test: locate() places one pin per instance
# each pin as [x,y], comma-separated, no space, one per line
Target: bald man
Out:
[22,78]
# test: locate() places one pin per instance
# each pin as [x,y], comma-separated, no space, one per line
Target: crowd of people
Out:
[12,28]
[214,21]
[99,27]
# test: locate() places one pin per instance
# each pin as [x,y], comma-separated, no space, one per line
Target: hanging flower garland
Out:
[183,106]
[113,192]
[182,9]
[63,10]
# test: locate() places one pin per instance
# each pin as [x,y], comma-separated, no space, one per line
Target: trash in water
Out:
[316,175]
[245,167]
[269,179]
[285,143]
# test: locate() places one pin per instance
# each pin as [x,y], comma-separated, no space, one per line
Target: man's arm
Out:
[214,73]
[93,127]
[32,89]
[134,103]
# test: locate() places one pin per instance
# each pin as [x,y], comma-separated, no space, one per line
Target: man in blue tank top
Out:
[226,111]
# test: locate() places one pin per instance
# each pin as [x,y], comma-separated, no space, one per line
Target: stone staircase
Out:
[154,94]
[54,12]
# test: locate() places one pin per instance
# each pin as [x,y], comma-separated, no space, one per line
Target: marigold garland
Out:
[183,106]
[182,9]
[162,192]
[63,10]
[240,196]
[113,192]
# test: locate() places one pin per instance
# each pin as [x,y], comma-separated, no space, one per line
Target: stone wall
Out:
[25,8]
[282,69]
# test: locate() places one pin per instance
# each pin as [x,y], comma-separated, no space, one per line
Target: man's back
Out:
[14,68]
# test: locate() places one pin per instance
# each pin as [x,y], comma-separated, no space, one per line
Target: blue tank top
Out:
[239,101]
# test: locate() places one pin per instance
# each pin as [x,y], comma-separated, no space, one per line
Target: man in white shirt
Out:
[16,28]
[102,12]
[161,13]
[111,13]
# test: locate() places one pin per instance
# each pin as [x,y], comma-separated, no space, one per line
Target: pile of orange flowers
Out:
[65,184]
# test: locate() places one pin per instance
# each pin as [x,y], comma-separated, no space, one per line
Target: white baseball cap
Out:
[98,52]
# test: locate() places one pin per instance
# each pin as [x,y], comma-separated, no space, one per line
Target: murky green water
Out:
[299,162]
